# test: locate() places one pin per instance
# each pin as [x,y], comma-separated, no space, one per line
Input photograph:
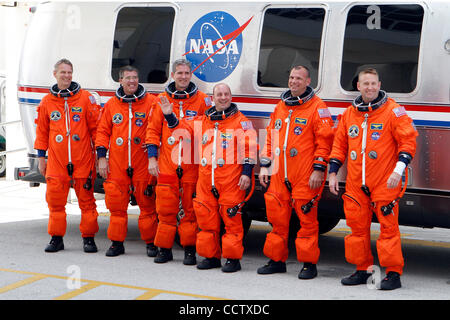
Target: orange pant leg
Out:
[116,200]
[278,211]
[389,244]
[358,214]
[86,202]
[188,227]
[307,242]
[148,220]
[167,207]
[232,247]
[56,197]
[206,210]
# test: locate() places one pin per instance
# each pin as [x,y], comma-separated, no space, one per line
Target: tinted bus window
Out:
[290,37]
[142,39]
[384,37]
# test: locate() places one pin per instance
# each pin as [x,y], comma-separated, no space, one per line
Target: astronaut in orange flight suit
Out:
[122,130]
[175,168]
[298,143]
[378,139]
[66,127]
[228,152]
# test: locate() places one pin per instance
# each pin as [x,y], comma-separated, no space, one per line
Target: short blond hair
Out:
[368,71]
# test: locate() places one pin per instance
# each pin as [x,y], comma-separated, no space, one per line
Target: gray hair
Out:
[181,62]
[62,61]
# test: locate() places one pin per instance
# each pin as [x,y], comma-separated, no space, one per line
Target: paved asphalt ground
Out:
[28,273]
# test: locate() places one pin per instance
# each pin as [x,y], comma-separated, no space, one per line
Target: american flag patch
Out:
[246,125]
[208,101]
[400,111]
[92,100]
[324,113]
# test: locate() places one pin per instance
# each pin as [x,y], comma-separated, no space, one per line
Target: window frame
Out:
[345,11]
[327,11]
[176,9]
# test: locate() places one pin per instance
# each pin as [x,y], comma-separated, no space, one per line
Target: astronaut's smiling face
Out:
[369,86]
[222,97]
[63,76]
[129,82]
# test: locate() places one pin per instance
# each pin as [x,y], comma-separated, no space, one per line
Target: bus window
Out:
[384,37]
[142,39]
[290,37]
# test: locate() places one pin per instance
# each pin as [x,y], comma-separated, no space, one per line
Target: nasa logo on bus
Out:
[214,46]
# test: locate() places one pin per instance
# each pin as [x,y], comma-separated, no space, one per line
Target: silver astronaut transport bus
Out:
[251,46]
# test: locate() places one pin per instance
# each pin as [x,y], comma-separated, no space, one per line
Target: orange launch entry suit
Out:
[226,146]
[388,135]
[178,171]
[126,150]
[66,127]
[299,140]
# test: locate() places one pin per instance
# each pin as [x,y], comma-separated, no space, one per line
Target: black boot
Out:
[115,249]
[272,267]
[189,256]
[209,263]
[56,244]
[164,255]
[152,250]
[89,244]
[359,277]
[391,281]
[309,271]
[232,265]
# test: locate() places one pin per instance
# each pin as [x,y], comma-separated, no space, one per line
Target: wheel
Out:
[327,223]
[246,222]
[2,166]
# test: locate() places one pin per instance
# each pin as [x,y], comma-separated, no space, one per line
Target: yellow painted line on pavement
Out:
[91,284]
[22,283]
[79,291]
[148,295]
[154,292]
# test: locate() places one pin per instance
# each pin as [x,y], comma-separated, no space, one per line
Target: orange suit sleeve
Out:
[323,132]
[267,149]
[339,149]
[246,134]
[93,116]
[104,128]
[154,125]
[42,126]
[405,134]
